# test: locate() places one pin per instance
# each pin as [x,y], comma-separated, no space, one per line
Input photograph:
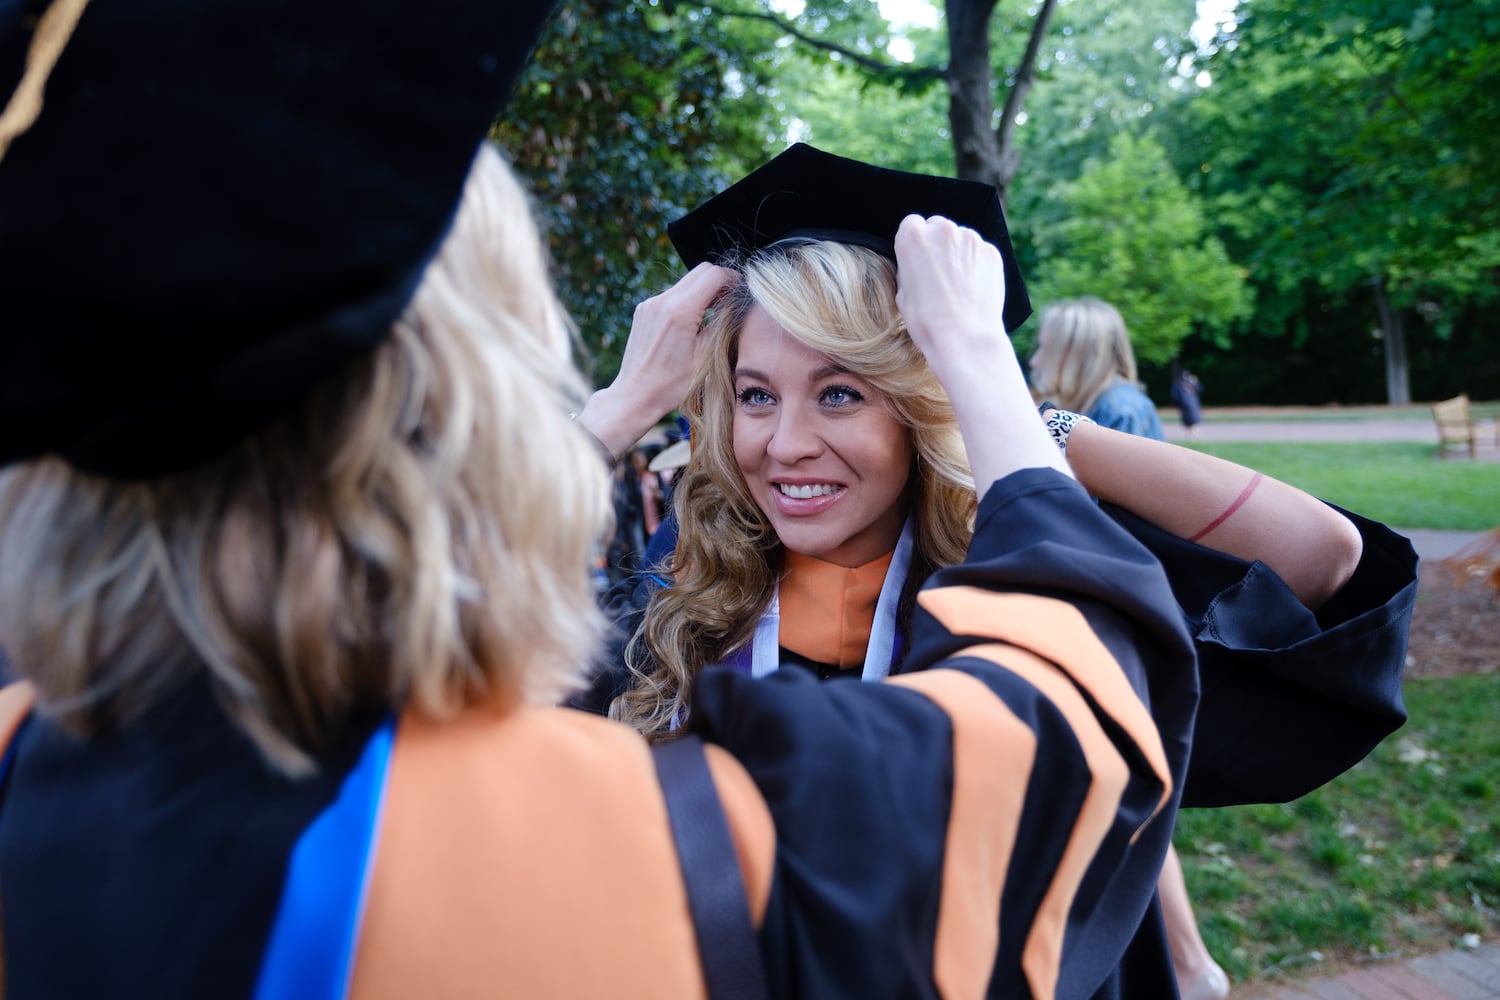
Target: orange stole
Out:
[524,853]
[528,853]
[827,611]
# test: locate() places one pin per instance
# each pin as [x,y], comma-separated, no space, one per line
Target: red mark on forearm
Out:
[1239,502]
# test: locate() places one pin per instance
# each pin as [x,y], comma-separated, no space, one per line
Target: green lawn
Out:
[1400,855]
[1400,483]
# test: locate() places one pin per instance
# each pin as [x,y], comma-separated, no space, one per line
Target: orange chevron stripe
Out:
[1109,774]
[982,824]
[1056,631]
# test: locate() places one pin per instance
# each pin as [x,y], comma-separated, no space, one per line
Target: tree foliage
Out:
[1344,158]
[628,116]
[853,33]
[1348,158]
[1133,235]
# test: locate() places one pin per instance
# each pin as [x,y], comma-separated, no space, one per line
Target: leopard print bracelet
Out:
[1061,423]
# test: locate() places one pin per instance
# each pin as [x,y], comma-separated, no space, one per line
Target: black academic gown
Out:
[1028,763]
[1289,698]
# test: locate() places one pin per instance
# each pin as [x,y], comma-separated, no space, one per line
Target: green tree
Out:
[1133,235]
[1348,158]
[854,33]
[629,115]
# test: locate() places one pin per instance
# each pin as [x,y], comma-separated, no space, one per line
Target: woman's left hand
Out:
[950,288]
[951,291]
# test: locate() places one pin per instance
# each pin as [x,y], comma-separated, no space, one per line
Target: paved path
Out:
[1463,974]
[1434,545]
[1307,430]
[1369,425]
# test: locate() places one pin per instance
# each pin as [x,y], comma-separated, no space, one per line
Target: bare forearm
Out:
[1221,505]
[999,423]
[658,362]
[617,420]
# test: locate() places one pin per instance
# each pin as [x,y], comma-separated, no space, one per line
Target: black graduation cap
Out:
[221,203]
[809,193]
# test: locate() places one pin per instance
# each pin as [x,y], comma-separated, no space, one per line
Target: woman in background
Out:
[1083,362]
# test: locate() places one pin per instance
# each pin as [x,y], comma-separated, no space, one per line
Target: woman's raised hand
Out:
[658,362]
[950,288]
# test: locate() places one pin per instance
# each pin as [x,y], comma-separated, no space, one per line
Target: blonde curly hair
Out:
[838,300]
[410,536]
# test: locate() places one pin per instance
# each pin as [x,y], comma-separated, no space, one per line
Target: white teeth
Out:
[807,492]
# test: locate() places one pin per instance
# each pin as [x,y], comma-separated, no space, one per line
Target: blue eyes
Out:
[840,395]
[833,397]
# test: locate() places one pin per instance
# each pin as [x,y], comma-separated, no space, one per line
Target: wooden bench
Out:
[1457,427]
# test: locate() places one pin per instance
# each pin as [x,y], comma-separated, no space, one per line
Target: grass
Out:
[1400,483]
[1399,855]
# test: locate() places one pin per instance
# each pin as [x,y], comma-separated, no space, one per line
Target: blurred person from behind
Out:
[295,564]
[1187,392]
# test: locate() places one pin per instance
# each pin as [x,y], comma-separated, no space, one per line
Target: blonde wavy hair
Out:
[838,300]
[1083,348]
[419,533]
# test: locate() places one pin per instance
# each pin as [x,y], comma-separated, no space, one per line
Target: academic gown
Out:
[1289,698]
[1027,766]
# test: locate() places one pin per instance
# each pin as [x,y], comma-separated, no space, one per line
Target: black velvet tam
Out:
[221,203]
[809,193]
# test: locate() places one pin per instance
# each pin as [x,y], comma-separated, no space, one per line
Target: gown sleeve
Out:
[1290,698]
[992,821]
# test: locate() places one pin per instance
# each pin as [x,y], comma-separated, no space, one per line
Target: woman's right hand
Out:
[659,358]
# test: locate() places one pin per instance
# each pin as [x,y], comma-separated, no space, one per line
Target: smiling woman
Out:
[858,414]
[828,460]
[816,411]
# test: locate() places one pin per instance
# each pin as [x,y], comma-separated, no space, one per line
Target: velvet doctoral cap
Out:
[222,202]
[807,192]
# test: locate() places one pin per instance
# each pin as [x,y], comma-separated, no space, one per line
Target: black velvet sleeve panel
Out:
[1290,698]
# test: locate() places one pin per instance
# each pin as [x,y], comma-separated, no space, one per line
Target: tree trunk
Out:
[971,106]
[984,150]
[1393,325]
[1015,99]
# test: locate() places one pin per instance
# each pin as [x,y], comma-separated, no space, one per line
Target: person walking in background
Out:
[1083,362]
[1185,392]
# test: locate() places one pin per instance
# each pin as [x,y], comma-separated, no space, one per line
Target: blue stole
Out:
[310,954]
